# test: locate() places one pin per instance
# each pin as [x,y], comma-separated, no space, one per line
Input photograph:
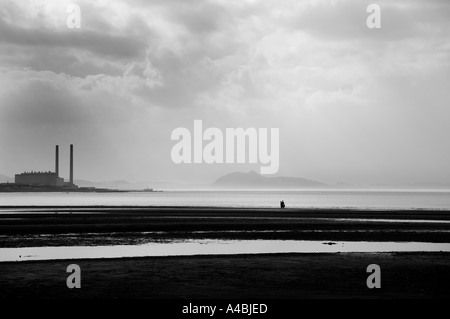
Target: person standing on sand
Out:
[282,204]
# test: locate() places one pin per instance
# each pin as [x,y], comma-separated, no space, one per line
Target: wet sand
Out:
[338,275]
[24,226]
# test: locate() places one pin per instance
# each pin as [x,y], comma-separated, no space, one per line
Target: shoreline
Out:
[333,212]
[255,208]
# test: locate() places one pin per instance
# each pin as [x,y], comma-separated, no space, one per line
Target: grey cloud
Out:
[201,17]
[104,44]
[58,61]
[42,103]
[347,20]
[247,63]
[96,48]
[183,78]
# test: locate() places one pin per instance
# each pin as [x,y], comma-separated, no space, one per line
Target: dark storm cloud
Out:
[58,61]
[99,47]
[104,44]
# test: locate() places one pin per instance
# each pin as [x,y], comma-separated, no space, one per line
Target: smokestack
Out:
[71,164]
[57,160]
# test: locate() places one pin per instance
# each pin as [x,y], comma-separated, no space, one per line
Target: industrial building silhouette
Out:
[48,178]
[48,181]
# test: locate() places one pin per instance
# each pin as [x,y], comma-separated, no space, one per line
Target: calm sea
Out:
[329,199]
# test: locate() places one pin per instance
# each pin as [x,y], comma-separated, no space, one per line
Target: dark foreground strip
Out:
[275,308]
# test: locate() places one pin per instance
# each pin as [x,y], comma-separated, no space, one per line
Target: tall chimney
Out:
[57,160]
[71,164]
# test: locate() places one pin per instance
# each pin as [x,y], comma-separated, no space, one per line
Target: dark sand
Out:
[124,225]
[403,275]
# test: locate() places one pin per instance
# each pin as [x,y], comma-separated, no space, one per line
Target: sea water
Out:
[362,199]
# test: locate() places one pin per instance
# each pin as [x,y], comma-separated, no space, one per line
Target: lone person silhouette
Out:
[282,204]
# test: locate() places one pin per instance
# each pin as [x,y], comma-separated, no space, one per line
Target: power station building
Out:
[39,178]
[47,178]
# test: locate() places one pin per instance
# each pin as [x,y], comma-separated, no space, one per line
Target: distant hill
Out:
[255,180]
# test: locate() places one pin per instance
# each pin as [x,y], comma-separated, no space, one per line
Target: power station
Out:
[51,182]
[48,178]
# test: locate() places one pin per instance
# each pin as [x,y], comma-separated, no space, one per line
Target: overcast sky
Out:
[352,104]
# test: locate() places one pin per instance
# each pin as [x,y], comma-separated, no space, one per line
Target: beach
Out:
[285,276]
[24,226]
[273,276]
